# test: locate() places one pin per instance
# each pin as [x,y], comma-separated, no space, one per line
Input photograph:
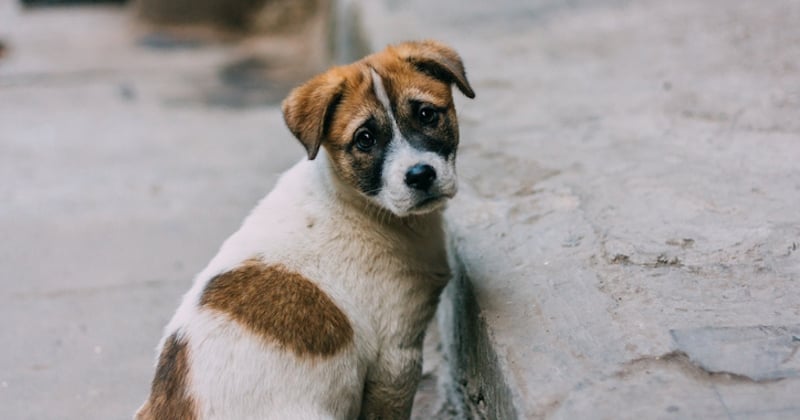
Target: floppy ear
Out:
[308,110]
[437,60]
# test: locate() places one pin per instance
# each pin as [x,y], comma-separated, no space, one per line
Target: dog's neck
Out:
[333,184]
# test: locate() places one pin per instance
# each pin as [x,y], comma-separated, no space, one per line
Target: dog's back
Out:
[317,306]
[281,322]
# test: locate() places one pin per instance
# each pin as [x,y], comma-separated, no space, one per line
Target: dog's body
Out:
[317,306]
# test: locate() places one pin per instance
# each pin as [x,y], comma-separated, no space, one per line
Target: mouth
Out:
[428,204]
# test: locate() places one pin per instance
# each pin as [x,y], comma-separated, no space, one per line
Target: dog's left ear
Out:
[308,110]
[437,60]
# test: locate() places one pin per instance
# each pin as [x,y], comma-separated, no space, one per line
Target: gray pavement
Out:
[626,232]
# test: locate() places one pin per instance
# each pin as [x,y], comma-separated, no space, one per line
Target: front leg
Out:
[391,384]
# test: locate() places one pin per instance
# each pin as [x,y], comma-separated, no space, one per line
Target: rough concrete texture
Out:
[628,223]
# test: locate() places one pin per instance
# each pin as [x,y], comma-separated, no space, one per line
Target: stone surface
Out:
[764,353]
[631,178]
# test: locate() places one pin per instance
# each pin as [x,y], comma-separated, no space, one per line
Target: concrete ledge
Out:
[474,383]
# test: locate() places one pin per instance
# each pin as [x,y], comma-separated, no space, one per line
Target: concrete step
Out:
[626,236]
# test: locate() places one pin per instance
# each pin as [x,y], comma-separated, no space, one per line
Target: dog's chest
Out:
[390,284]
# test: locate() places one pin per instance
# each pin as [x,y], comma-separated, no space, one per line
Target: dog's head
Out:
[388,124]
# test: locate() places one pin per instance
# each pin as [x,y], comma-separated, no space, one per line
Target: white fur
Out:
[401,199]
[395,195]
[382,271]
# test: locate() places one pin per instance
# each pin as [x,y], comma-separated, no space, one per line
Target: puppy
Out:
[316,307]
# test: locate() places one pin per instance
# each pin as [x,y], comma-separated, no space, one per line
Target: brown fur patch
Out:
[321,111]
[438,60]
[282,306]
[329,109]
[168,397]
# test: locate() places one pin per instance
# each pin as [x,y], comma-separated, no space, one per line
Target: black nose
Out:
[420,176]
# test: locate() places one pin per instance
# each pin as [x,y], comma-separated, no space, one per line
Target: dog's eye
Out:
[427,115]
[365,141]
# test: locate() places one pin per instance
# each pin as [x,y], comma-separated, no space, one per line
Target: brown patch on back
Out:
[169,399]
[282,306]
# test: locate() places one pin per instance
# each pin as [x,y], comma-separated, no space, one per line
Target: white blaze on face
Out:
[396,195]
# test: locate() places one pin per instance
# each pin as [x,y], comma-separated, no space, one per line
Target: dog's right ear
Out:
[308,110]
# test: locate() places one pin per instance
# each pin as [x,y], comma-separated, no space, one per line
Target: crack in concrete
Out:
[680,360]
[791,355]
[722,402]
[662,260]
